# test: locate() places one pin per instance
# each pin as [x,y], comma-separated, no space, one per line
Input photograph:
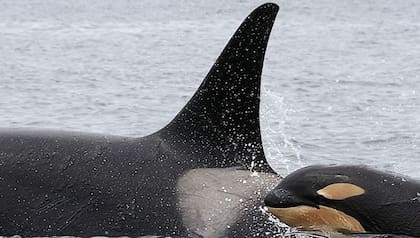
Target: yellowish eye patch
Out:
[340,191]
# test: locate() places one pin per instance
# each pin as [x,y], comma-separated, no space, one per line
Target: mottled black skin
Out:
[69,183]
[390,204]
[60,183]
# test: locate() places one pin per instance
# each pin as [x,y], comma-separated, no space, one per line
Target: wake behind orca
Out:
[192,178]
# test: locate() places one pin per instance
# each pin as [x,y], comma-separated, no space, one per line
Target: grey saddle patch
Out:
[211,200]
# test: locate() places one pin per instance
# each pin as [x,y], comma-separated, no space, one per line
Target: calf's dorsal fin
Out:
[221,120]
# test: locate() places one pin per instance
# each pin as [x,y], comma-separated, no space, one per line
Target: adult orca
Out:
[192,178]
[349,199]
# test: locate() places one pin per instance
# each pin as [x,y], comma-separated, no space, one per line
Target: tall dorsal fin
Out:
[221,120]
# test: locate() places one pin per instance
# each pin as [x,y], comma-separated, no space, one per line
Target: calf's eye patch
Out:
[340,191]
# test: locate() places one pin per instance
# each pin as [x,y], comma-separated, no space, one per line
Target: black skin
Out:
[69,183]
[390,204]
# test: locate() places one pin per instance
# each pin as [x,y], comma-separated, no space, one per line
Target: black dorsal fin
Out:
[221,120]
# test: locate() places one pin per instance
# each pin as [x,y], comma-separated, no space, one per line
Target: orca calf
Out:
[348,199]
[192,178]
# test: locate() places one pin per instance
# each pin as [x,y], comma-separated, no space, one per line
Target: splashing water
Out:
[280,149]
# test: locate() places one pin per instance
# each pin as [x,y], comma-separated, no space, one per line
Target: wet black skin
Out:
[390,204]
[70,183]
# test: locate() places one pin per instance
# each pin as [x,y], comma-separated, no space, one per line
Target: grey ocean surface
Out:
[340,83]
